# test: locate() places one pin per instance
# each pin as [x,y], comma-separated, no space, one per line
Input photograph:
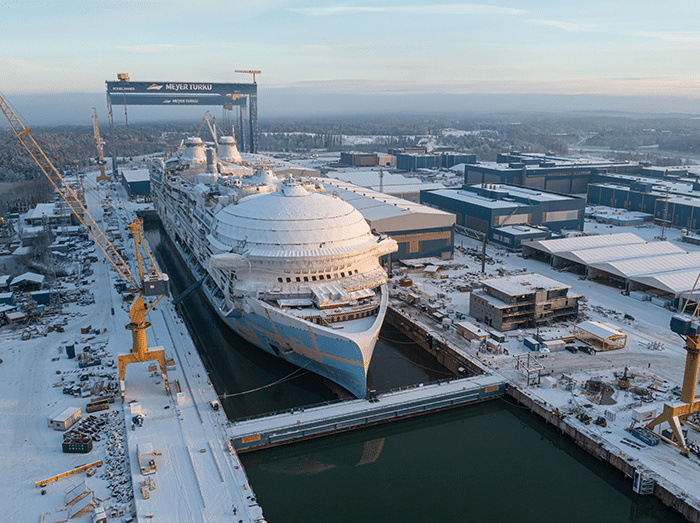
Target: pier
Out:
[302,424]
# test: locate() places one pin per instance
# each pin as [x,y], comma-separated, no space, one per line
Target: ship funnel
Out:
[228,150]
[211,160]
[194,150]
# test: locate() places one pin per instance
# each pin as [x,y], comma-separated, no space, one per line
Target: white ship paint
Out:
[291,269]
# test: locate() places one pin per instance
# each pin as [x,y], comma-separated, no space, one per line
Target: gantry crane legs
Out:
[150,283]
[688,328]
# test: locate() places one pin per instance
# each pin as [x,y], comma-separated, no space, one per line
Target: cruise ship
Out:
[290,268]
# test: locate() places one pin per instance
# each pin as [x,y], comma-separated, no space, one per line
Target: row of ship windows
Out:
[320,277]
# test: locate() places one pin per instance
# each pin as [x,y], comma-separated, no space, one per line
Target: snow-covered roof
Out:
[523,284]
[676,282]
[650,265]
[137,175]
[598,329]
[386,213]
[28,276]
[622,252]
[560,245]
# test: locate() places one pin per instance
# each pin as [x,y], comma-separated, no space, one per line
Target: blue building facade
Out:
[490,208]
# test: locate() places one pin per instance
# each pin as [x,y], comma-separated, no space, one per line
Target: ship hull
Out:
[322,350]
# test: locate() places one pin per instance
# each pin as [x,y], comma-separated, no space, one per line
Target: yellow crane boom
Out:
[251,72]
[149,283]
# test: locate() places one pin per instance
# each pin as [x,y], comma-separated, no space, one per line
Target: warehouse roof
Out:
[651,265]
[385,212]
[621,252]
[561,245]
[676,282]
[137,175]
[519,284]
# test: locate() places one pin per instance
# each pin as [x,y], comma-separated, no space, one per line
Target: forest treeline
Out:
[485,136]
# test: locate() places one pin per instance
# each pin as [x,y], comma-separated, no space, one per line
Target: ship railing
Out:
[338,317]
[340,401]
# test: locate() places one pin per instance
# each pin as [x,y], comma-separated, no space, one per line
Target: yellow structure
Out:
[599,335]
[66,474]
[100,155]
[150,282]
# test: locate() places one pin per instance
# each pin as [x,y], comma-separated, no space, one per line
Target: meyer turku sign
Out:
[226,95]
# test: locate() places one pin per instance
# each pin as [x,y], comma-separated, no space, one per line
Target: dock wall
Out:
[443,351]
[451,358]
[603,451]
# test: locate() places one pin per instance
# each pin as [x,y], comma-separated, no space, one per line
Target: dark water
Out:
[490,462]
[253,382]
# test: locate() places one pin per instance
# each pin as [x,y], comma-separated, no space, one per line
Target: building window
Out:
[413,247]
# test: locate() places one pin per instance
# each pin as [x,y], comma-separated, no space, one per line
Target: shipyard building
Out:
[660,272]
[387,183]
[137,182]
[672,199]
[420,230]
[522,301]
[508,214]
[544,172]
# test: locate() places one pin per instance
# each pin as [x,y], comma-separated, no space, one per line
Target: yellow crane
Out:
[687,326]
[100,155]
[150,282]
[251,72]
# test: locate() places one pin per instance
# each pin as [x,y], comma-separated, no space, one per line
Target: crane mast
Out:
[100,153]
[148,284]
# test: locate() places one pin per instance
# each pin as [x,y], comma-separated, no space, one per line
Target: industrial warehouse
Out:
[658,271]
[508,214]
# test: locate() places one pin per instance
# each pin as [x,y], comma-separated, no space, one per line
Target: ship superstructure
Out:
[293,270]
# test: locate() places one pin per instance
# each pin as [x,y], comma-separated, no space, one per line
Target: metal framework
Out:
[139,311]
[227,95]
[687,326]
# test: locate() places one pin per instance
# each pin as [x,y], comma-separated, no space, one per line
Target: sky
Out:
[349,55]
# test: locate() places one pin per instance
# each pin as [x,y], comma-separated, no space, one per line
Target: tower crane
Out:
[150,282]
[251,72]
[100,155]
[687,326]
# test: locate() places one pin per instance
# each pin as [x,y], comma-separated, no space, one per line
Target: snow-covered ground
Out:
[573,382]
[197,477]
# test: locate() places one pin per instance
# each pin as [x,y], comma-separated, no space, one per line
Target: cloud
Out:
[670,36]
[442,9]
[566,26]
[154,48]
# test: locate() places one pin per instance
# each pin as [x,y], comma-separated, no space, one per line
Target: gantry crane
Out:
[100,155]
[687,326]
[150,282]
